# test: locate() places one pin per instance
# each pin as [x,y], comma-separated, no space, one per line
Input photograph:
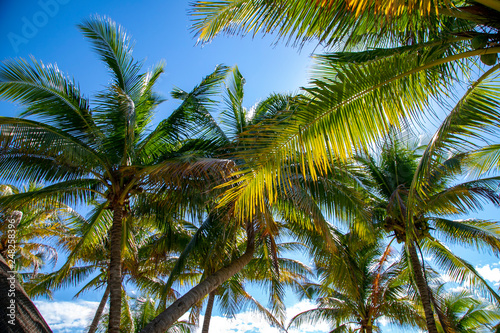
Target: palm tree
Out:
[213,247]
[420,219]
[219,232]
[261,223]
[271,271]
[358,287]
[421,47]
[104,152]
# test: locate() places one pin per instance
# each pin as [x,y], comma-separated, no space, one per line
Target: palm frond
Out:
[44,283]
[475,115]
[270,318]
[94,232]
[68,192]
[46,92]
[93,284]
[188,171]
[465,197]
[483,235]
[457,268]
[335,122]
[190,247]
[329,22]
[22,139]
[234,116]
[192,119]
[484,160]
[114,47]
[320,314]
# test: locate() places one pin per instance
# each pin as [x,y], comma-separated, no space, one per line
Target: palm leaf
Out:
[334,123]
[473,232]
[327,21]
[475,115]
[46,92]
[114,47]
[485,159]
[68,192]
[94,232]
[191,119]
[465,197]
[458,269]
[190,247]
[315,315]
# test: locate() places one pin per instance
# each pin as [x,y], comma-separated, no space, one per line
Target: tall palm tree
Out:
[421,49]
[359,287]
[229,142]
[103,152]
[421,220]
[218,233]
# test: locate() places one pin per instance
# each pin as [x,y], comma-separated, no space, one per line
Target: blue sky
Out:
[161,31]
[47,30]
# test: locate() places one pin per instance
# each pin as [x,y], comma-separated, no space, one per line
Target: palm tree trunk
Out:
[443,319]
[366,327]
[208,312]
[100,310]
[423,289]
[168,317]
[115,273]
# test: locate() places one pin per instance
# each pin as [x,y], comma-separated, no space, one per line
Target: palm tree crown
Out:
[358,288]
[103,152]
[416,211]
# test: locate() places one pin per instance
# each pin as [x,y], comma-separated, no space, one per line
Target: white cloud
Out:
[383,321]
[490,274]
[252,322]
[301,307]
[446,278]
[74,317]
[457,289]
[67,317]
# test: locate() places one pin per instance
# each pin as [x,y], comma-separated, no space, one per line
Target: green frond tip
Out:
[114,46]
